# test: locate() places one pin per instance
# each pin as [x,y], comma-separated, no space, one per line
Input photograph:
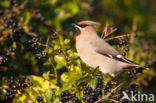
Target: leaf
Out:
[5,4]
[27,17]
[95,71]
[39,82]
[72,8]
[56,100]
[64,77]
[74,76]
[48,94]
[46,75]
[85,68]
[66,41]
[84,80]
[19,99]
[61,62]
[93,83]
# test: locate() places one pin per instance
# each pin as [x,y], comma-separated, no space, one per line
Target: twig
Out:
[47,41]
[106,96]
[22,6]
[118,37]
[55,71]
[2,29]
[31,34]
[112,31]
[106,33]
[3,37]
[42,44]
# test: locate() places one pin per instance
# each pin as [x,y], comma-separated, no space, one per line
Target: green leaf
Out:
[64,77]
[46,75]
[83,80]
[66,41]
[84,67]
[48,93]
[72,7]
[5,4]
[72,78]
[61,62]
[27,17]
[56,100]
[95,71]
[93,83]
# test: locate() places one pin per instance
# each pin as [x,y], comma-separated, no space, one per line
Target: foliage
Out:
[38,49]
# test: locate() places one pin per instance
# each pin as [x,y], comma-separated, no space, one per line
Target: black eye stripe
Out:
[82,26]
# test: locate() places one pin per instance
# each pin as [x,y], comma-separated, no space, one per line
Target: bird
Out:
[96,52]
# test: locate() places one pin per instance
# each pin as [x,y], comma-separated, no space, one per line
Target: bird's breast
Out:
[86,53]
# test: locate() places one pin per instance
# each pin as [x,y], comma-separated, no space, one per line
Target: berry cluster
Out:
[133,73]
[124,45]
[17,34]
[124,42]
[66,96]
[33,43]
[16,85]
[91,95]
[41,59]
[133,88]
[10,22]
[3,59]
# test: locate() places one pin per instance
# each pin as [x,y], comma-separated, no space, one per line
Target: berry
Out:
[67,96]
[124,54]
[100,83]
[127,49]
[125,101]
[39,99]
[1,12]
[124,42]
[134,86]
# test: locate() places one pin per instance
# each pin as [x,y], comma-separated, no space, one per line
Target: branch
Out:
[31,34]
[55,71]
[118,37]
[106,31]
[106,96]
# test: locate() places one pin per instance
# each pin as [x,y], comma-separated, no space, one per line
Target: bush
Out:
[39,62]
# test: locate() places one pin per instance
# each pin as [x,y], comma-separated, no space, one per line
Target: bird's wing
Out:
[103,48]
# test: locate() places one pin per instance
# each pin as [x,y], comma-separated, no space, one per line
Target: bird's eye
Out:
[83,25]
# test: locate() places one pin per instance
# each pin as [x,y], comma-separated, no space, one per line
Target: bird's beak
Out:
[76,26]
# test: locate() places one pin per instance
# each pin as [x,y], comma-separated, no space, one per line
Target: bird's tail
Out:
[133,66]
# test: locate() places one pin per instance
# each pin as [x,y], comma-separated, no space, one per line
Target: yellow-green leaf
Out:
[61,62]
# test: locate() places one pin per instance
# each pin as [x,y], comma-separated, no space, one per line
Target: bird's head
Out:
[85,26]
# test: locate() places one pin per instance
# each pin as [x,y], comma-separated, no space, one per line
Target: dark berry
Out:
[124,42]
[39,99]
[127,49]
[125,101]
[133,86]
[124,54]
